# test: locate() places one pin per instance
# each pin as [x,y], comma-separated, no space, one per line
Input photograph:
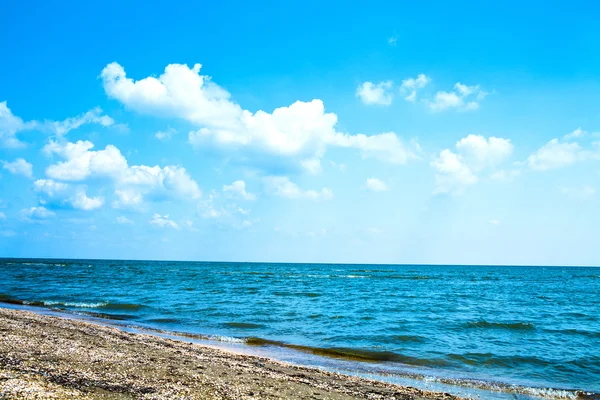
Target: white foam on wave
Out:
[74,304]
[226,339]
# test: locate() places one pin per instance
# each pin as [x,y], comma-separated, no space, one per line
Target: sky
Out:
[460,132]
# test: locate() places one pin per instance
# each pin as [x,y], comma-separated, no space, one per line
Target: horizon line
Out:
[307,263]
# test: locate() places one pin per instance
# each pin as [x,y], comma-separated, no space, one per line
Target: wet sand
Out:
[47,357]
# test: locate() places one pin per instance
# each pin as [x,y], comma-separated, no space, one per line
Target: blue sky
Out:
[394,133]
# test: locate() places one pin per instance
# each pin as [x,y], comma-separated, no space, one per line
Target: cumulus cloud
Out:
[480,152]
[474,153]
[62,195]
[10,125]
[376,185]
[577,133]
[33,214]
[19,167]
[282,186]
[50,187]
[238,189]
[163,221]
[132,183]
[127,197]
[556,154]
[82,202]
[301,130]
[312,165]
[123,220]
[296,133]
[370,93]
[411,86]
[452,174]
[463,98]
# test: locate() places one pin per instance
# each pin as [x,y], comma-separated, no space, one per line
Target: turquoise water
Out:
[512,328]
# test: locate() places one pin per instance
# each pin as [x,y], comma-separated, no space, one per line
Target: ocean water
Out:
[525,331]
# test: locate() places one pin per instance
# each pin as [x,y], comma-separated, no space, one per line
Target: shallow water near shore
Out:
[518,331]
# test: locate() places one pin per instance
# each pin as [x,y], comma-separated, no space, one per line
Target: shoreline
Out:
[45,356]
[290,355]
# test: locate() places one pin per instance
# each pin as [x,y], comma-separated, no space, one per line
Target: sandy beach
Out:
[47,357]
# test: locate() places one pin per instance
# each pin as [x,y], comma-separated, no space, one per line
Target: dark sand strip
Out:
[46,357]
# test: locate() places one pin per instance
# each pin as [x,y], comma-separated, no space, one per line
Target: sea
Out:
[498,332]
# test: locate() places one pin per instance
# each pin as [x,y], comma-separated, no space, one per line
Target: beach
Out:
[47,357]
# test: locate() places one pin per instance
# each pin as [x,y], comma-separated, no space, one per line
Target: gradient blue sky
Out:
[398,132]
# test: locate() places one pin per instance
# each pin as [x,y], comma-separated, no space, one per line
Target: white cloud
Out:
[123,220]
[556,154]
[163,221]
[385,146]
[132,183]
[19,167]
[282,186]
[495,222]
[36,213]
[312,165]
[463,98]
[480,152]
[577,133]
[451,173]
[299,132]
[165,135]
[222,212]
[376,185]
[474,153]
[50,187]
[179,92]
[94,116]
[370,93]
[10,125]
[59,194]
[2,215]
[127,197]
[411,86]
[238,189]
[392,41]
[581,193]
[82,202]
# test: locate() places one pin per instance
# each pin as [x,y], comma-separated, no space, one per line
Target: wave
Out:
[115,317]
[163,320]
[516,326]
[489,359]
[4,298]
[491,386]
[243,325]
[350,354]
[581,332]
[121,306]
[70,304]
